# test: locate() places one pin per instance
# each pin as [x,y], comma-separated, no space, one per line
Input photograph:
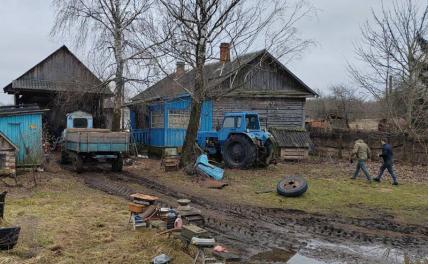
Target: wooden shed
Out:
[293,144]
[63,84]
[22,127]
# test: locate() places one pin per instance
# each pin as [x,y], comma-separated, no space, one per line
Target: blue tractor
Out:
[240,142]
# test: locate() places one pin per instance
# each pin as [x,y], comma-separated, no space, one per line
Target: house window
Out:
[2,161]
[157,119]
[80,123]
[178,118]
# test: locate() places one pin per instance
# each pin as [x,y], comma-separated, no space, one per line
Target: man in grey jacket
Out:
[362,153]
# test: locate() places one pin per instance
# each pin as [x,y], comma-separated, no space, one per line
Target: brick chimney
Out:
[224,52]
[180,69]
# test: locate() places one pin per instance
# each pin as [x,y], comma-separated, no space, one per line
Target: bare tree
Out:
[342,101]
[394,60]
[116,32]
[199,26]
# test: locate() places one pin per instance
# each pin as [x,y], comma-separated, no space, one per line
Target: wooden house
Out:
[63,84]
[255,82]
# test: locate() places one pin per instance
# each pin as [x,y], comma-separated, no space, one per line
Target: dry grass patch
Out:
[63,221]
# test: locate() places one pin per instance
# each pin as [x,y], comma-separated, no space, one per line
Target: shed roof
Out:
[8,141]
[8,110]
[33,79]
[216,73]
[296,138]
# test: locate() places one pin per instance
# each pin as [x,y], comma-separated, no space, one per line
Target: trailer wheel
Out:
[117,164]
[77,163]
[292,186]
[239,152]
[64,157]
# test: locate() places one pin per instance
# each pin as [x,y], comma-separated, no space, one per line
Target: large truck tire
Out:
[266,157]
[117,164]
[292,186]
[239,152]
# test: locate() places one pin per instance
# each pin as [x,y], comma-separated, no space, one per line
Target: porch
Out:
[165,122]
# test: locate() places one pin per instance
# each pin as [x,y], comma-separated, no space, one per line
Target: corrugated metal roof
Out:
[57,86]
[291,137]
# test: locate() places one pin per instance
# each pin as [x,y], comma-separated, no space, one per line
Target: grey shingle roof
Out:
[216,73]
[296,138]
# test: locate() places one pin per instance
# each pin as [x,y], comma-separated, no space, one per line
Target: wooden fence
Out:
[338,144]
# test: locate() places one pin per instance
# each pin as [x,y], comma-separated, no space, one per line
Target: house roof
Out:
[216,74]
[8,110]
[26,82]
[294,138]
[8,141]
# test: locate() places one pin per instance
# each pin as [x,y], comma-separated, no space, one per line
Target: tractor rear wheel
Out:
[239,152]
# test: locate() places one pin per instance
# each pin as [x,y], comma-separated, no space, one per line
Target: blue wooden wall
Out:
[25,131]
[171,137]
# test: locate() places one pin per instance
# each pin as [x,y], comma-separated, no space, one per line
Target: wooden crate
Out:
[294,153]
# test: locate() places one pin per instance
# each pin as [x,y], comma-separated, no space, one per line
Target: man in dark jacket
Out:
[388,162]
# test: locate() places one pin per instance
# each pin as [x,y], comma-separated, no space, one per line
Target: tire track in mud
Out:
[253,229]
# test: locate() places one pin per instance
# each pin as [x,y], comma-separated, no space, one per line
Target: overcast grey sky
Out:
[25,40]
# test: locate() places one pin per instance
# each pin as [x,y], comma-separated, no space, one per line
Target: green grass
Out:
[331,191]
[355,198]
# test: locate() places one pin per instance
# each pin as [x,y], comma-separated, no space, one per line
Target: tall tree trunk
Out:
[118,95]
[118,98]
[188,154]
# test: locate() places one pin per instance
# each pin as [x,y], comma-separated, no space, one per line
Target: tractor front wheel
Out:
[239,152]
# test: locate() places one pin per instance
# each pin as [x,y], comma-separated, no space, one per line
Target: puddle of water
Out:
[372,253]
[300,259]
[321,252]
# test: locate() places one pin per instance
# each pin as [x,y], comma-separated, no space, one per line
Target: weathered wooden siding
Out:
[288,153]
[274,112]
[60,67]
[266,79]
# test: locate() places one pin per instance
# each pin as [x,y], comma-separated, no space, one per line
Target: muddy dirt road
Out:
[273,235]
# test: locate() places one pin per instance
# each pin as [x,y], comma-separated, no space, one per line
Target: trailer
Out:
[83,144]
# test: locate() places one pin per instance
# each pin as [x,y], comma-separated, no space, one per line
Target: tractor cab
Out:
[238,122]
[79,119]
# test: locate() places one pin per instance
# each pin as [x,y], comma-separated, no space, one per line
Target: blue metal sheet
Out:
[25,131]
